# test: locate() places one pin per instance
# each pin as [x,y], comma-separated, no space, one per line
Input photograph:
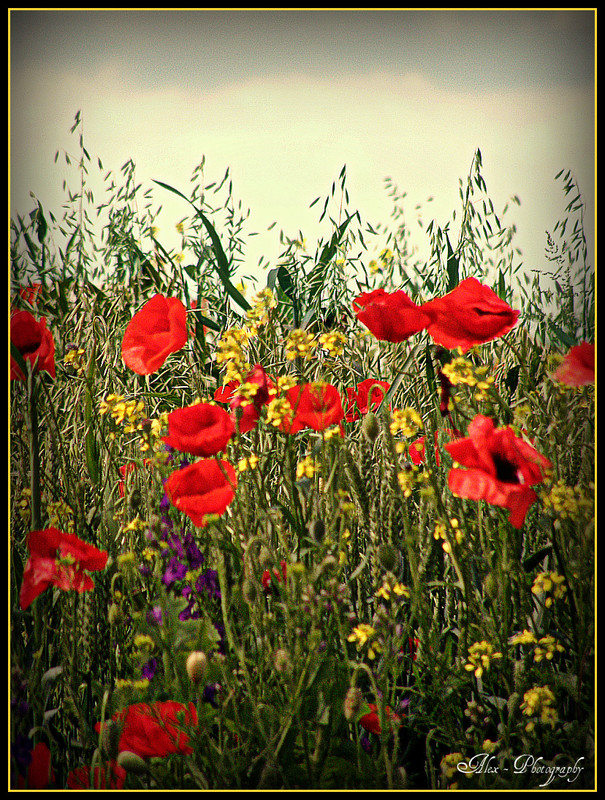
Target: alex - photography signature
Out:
[525,764]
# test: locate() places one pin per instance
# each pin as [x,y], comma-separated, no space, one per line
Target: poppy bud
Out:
[370,427]
[114,614]
[249,591]
[265,559]
[196,665]
[281,661]
[490,584]
[135,499]
[388,556]
[110,739]
[353,703]
[317,529]
[131,762]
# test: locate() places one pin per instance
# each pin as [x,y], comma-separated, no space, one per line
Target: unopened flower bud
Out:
[114,614]
[265,559]
[388,556]
[131,762]
[370,427]
[110,739]
[196,665]
[353,703]
[281,661]
[317,530]
[249,591]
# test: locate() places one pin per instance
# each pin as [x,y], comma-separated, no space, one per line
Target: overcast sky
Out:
[285,98]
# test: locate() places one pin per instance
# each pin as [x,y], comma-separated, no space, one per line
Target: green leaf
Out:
[531,562]
[452,267]
[430,370]
[18,357]
[222,263]
[317,276]
[200,318]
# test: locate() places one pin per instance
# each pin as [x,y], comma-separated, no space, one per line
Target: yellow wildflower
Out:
[551,585]
[546,648]
[300,344]
[406,421]
[306,468]
[480,656]
[333,342]
[538,702]
[398,589]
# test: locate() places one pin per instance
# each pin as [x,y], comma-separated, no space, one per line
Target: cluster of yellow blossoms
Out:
[551,585]
[365,635]
[462,371]
[480,656]
[306,468]
[568,501]
[388,589]
[132,416]
[406,421]
[441,529]
[545,648]
[538,703]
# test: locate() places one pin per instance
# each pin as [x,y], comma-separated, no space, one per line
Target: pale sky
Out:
[285,98]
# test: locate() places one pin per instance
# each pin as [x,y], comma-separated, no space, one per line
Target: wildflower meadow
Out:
[329,528]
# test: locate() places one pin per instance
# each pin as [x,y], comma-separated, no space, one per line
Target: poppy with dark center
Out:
[471,314]
[391,316]
[58,559]
[202,429]
[156,331]
[34,341]
[495,465]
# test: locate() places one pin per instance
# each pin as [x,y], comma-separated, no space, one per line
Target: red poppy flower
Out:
[58,559]
[314,405]
[125,470]
[371,722]
[40,774]
[470,314]
[156,331]
[391,317]
[34,341]
[202,429]
[247,410]
[416,451]
[202,488]
[30,293]
[417,448]
[496,466]
[367,396]
[225,394]
[110,776]
[578,366]
[267,580]
[155,730]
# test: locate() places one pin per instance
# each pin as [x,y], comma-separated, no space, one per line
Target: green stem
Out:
[34,454]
